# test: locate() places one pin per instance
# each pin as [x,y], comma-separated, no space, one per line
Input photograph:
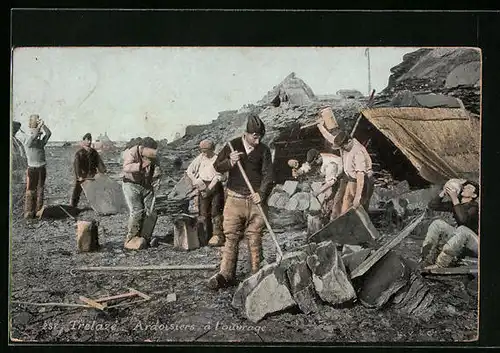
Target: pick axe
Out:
[279,257]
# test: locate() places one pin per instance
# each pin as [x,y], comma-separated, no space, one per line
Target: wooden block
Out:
[93,303]
[105,195]
[87,236]
[329,118]
[186,233]
[353,227]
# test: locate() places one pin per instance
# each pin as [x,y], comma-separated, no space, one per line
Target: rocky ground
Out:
[43,253]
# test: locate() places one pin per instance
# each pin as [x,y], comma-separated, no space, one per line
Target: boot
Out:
[134,226]
[228,264]
[255,249]
[218,281]
[429,254]
[443,260]
[218,238]
[29,204]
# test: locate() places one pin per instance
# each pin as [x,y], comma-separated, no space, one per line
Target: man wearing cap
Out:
[86,165]
[241,214]
[37,172]
[357,182]
[208,182]
[140,173]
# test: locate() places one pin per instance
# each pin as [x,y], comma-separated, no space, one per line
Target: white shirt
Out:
[356,160]
[331,167]
[202,168]
[247,146]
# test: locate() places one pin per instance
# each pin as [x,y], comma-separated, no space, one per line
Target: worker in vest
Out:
[242,217]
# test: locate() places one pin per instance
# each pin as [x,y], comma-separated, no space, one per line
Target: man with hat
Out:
[37,172]
[86,165]
[140,173]
[208,182]
[356,184]
[242,217]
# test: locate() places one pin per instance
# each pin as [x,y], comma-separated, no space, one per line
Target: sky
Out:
[157,91]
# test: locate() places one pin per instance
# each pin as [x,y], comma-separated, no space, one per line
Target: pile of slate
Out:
[340,265]
[295,196]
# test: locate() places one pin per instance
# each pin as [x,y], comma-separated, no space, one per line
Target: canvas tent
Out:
[441,143]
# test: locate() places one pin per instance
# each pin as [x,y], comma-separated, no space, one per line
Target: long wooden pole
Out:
[147,268]
[259,206]
[361,114]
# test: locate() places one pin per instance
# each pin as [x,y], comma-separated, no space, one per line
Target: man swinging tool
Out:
[242,216]
[141,173]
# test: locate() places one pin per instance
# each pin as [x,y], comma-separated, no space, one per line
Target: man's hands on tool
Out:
[235,157]
[80,179]
[256,198]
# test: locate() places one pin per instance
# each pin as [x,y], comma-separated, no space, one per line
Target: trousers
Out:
[211,209]
[35,185]
[139,200]
[241,219]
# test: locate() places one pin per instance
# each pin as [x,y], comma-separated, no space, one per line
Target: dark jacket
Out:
[465,214]
[257,165]
[87,163]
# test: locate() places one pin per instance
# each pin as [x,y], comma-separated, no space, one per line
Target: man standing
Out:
[37,172]
[457,241]
[241,214]
[86,165]
[208,182]
[140,173]
[356,184]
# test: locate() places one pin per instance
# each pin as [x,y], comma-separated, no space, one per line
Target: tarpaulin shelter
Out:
[441,143]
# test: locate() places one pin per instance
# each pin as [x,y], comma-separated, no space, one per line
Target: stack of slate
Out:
[336,270]
[294,196]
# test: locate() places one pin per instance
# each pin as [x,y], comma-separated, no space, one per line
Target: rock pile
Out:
[454,72]
[293,196]
[318,274]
